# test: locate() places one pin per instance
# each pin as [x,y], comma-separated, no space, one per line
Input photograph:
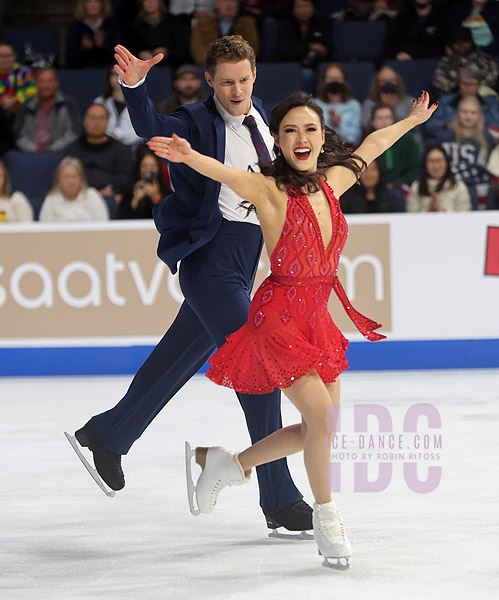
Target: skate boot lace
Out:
[218,487]
[332,525]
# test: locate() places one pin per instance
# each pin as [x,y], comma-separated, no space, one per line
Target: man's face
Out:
[468,86]
[226,9]
[47,84]
[232,83]
[187,84]
[95,122]
[7,58]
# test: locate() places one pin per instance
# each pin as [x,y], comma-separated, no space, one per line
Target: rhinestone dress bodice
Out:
[289,330]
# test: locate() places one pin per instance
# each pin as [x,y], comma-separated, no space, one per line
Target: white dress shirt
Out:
[239,152]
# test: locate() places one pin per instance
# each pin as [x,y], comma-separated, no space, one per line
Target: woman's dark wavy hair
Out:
[423,178]
[336,151]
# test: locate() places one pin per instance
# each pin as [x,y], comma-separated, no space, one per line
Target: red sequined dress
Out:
[289,330]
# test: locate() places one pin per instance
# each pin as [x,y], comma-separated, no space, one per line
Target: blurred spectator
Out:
[225,21]
[16,81]
[71,199]
[186,89]
[481,17]
[437,189]
[6,137]
[493,168]
[418,31]
[342,111]
[469,86]
[108,163]
[262,9]
[191,8]
[92,36]
[372,194]
[387,87]
[155,31]
[49,121]
[119,125]
[14,206]
[462,52]
[148,189]
[367,10]
[304,37]
[468,143]
[401,162]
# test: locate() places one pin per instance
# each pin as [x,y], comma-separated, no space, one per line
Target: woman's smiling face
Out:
[301,138]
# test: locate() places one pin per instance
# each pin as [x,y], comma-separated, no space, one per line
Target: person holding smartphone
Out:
[148,188]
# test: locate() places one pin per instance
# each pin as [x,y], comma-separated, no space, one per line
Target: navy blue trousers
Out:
[216,281]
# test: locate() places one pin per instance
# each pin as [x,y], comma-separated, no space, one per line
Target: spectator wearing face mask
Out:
[387,87]
[342,112]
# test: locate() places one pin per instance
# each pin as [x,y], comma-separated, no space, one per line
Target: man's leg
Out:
[179,355]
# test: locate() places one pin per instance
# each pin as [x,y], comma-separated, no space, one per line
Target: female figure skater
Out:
[290,340]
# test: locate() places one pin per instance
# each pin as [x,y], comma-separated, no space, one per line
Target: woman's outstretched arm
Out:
[253,187]
[341,178]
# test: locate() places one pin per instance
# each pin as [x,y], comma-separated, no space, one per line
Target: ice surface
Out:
[62,538]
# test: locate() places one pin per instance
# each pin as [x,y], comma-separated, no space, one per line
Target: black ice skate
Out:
[295,517]
[107,464]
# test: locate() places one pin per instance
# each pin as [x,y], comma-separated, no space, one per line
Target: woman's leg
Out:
[314,400]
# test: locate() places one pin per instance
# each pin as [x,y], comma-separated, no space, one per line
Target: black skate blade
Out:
[304,535]
[191,488]
[93,472]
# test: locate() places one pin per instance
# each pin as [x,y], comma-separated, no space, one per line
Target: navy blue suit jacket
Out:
[190,217]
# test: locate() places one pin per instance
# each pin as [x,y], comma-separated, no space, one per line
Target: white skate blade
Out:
[340,564]
[191,488]
[304,535]
[93,472]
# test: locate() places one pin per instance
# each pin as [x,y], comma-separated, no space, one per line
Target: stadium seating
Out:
[358,40]
[32,174]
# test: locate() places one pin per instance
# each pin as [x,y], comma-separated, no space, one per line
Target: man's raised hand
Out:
[130,68]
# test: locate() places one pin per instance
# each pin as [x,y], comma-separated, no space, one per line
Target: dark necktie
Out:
[256,138]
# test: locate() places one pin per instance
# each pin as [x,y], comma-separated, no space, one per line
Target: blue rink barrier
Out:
[362,356]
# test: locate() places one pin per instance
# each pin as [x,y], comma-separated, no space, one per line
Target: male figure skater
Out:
[218,246]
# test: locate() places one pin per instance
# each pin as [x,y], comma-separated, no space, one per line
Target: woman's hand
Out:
[420,111]
[174,149]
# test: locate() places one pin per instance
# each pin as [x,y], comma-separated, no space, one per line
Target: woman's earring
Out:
[322,150]
[278,151]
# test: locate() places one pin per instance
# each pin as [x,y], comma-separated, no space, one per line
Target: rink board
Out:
[93,299]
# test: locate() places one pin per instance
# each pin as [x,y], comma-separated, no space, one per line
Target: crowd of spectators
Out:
[451,164]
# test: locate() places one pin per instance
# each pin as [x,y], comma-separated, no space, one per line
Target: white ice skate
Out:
[220,468]
[330,536]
